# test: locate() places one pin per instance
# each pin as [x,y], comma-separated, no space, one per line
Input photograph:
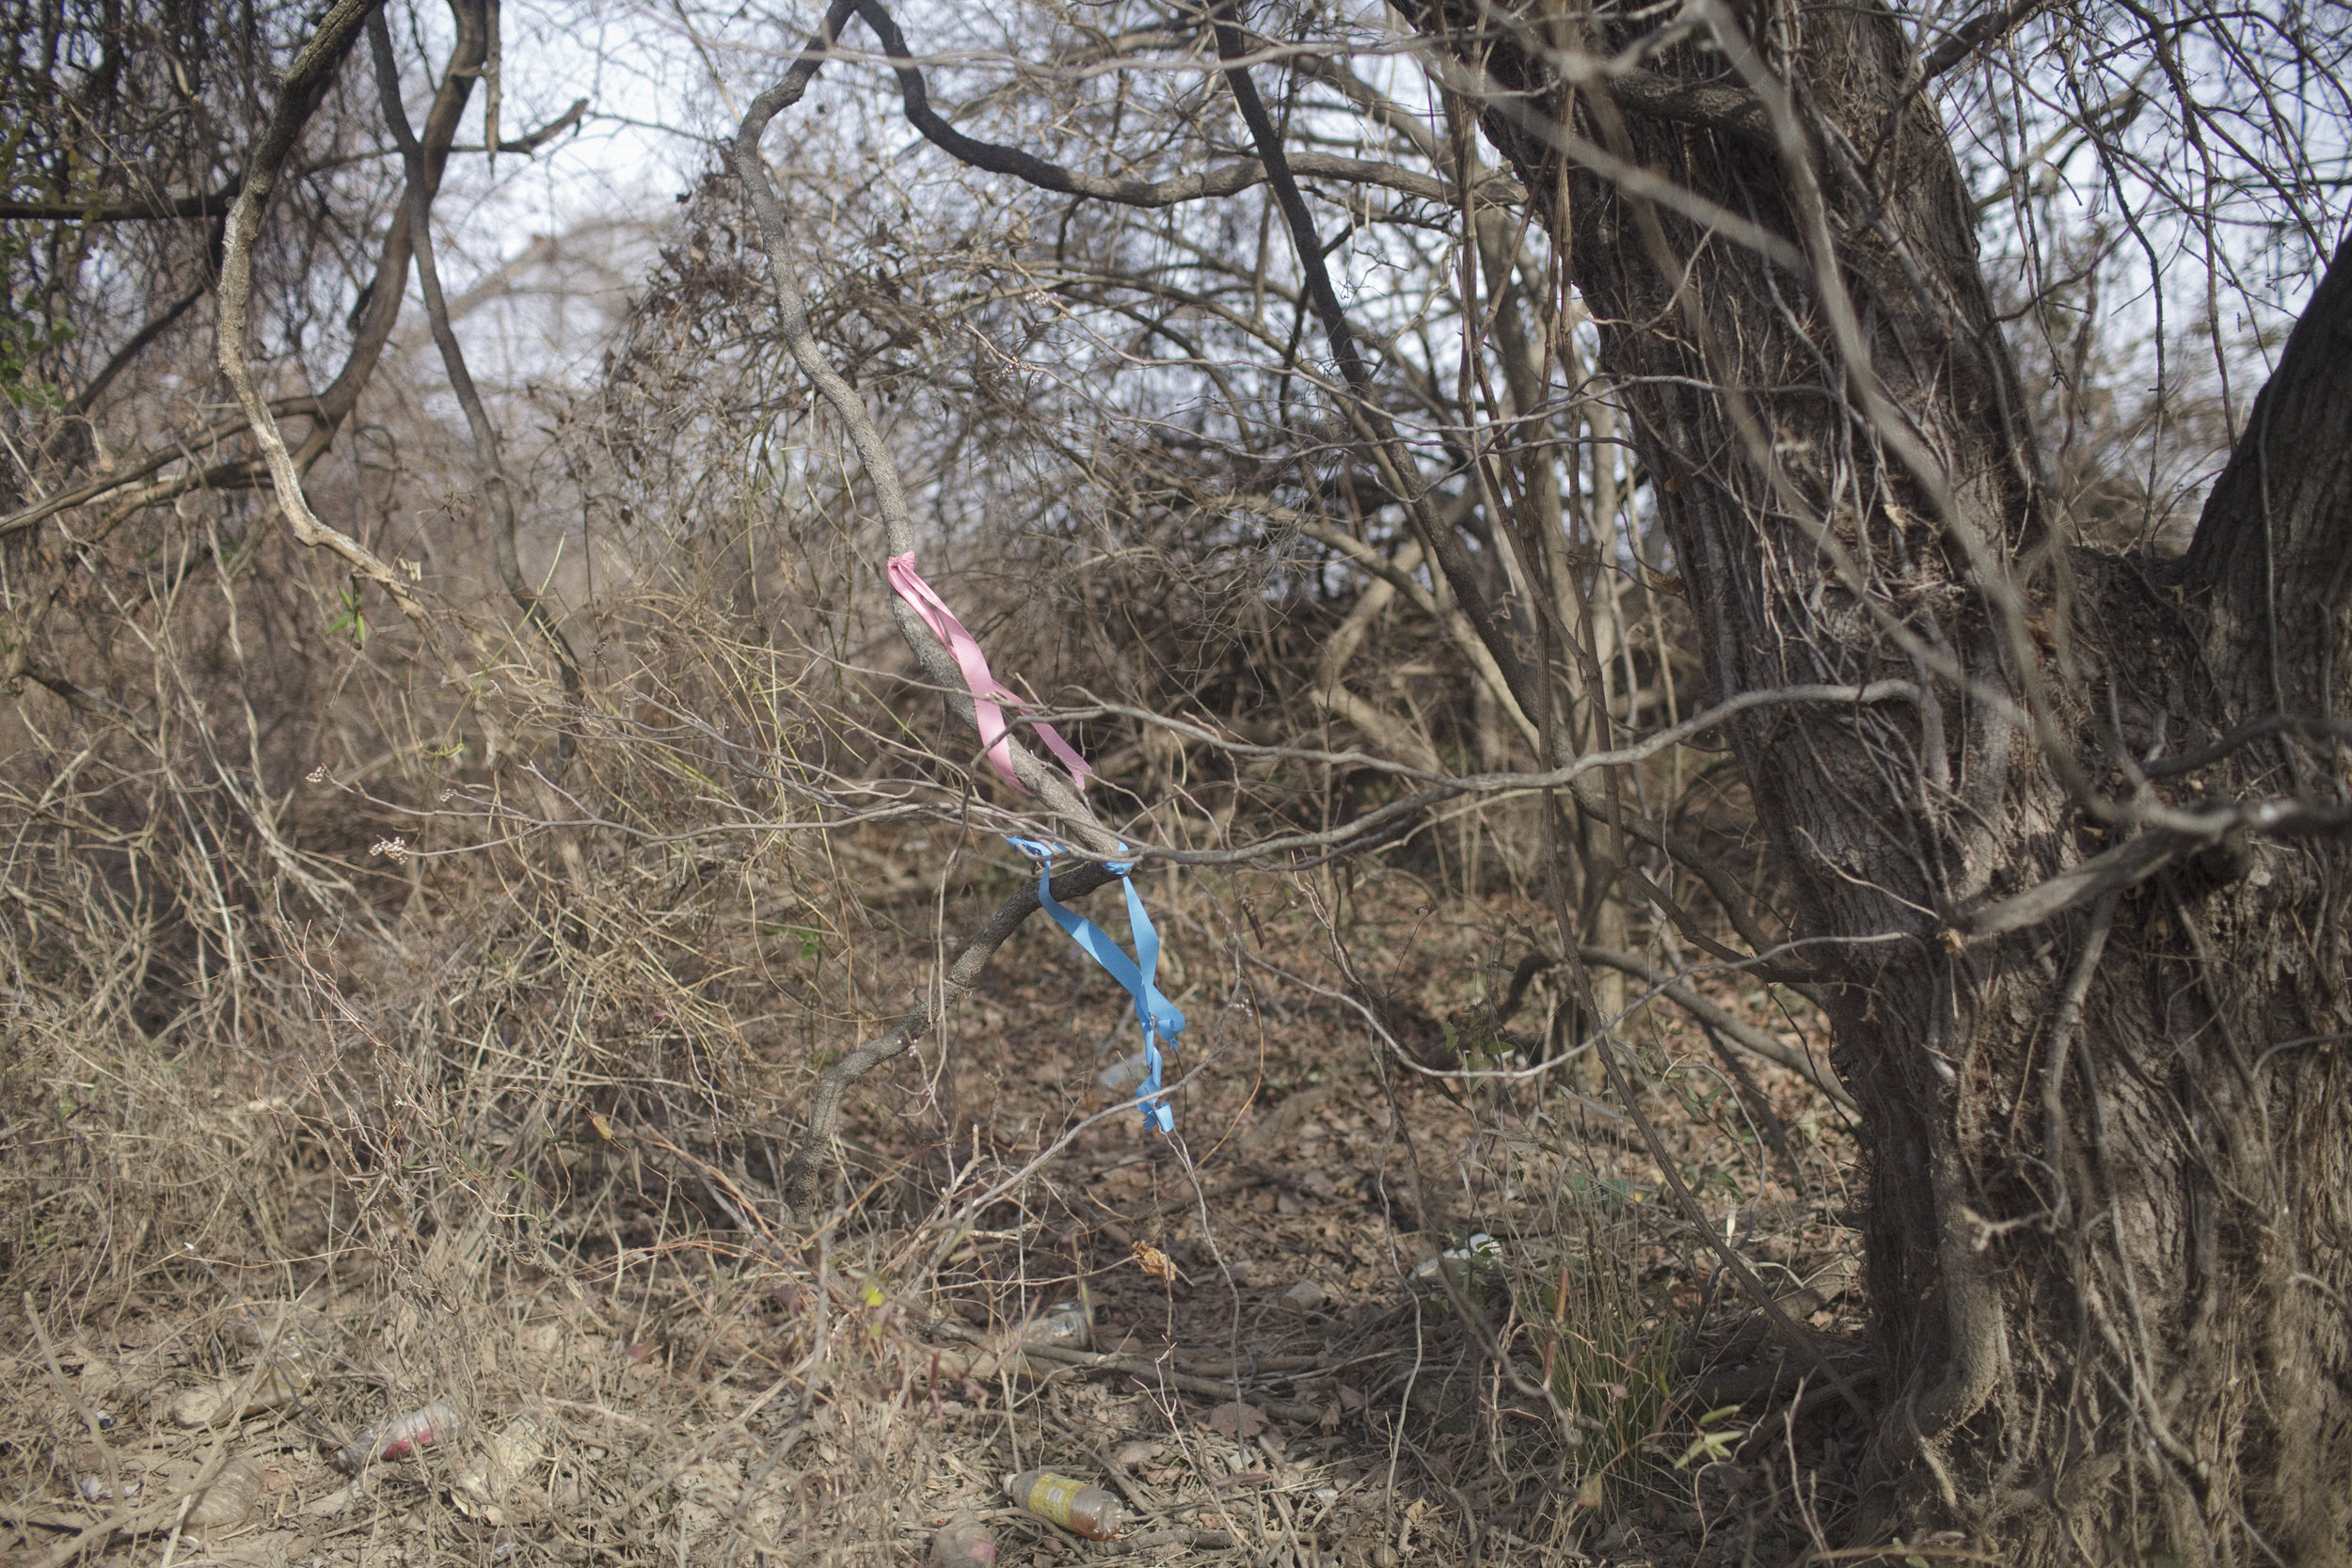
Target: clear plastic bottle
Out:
[290,1372]
[481,1487]
[226,1503]
[402,1435]
[1079,1508]
[1065,1325]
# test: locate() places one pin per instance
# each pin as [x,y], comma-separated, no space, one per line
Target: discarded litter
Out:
[480,1490]
[1461,1262]
[401,1436]
[1125,1071]
[963,1542]
[1066,1325]
[226,1503]
[1305,1296]
[290,1372]
[1237,1421]
[95,1490]
[1075,1506]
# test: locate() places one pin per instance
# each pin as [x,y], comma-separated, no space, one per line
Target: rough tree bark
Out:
[2105,1114]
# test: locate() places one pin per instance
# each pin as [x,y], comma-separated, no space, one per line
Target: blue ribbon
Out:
[1160,1017]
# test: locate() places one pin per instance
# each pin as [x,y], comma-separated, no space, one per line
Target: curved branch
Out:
[328,409]
[939,666]
[1059,798]
[546,133]
[801,1172]
[488,464]
[1229,180]
[306,84]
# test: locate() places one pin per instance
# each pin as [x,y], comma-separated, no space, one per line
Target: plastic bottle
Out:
[291,1371]
[1125,1073]
[1065,1325]
[480,1488]
[1078,1508]
[402,1435]
[225,1503]
[963,1542]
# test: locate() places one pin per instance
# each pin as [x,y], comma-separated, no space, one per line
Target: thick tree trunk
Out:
[2108,1149]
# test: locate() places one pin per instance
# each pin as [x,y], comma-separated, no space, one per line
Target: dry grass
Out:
[509,1144]
[482,1044]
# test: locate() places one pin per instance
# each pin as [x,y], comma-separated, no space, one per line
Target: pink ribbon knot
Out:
[989,696]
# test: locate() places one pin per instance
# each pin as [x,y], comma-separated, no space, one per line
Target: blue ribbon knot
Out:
[1160,1017]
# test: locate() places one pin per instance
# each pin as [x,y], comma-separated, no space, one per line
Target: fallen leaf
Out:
[1130,1455]
[1151,1261]
[1234,1420]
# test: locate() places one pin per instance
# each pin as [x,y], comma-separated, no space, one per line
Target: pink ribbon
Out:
[988,694]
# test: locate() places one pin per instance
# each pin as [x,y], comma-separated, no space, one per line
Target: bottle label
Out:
[1050,1498]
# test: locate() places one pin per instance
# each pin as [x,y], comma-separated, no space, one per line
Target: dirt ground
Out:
[1279,1362]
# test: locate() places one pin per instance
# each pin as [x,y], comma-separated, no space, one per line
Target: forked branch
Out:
[305,84]
[488,464]
[1060,798]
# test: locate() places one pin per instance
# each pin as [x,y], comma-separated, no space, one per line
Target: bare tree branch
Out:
[305,83]
[210,204]
[1229,180]
[488,461]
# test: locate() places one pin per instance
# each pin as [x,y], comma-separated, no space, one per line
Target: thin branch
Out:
[131,473]
[548,133]
[2270,724]
[210,204]
[488,464]
[1976,32]
[1747,1037]
[801,1174]
[122,358]
[1229,180]
[305,83]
